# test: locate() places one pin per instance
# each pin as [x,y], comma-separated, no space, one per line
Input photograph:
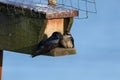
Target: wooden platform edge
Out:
[71,13]
[61,52]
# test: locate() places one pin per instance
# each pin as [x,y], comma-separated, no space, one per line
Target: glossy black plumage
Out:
[51,43]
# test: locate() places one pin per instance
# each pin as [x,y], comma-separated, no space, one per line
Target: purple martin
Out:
[49,44]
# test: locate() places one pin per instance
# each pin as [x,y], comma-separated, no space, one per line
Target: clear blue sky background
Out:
[97,40]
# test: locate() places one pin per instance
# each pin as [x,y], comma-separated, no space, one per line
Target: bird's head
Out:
[57,35]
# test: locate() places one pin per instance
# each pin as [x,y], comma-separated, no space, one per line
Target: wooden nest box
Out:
[23,26]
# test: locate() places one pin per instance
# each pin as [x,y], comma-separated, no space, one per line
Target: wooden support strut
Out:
[1,60]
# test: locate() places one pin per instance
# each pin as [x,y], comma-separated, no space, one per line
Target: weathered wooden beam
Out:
[1,60]
[65,14]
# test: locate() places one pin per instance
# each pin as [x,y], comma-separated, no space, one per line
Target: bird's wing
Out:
[72,39]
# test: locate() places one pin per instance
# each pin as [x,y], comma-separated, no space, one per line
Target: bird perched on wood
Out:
[67,40]
[51,43]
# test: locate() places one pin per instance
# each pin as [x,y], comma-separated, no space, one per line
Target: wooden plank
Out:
[65,14]
[61,52]
[1,60]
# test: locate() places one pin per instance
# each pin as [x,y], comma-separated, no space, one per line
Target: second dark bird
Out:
[51,43]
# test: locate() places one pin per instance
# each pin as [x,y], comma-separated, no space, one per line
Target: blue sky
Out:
[97,40]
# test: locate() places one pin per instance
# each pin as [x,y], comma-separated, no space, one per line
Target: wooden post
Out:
[1,59]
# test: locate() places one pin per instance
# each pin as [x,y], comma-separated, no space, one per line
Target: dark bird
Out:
[67,40]
[51,43]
